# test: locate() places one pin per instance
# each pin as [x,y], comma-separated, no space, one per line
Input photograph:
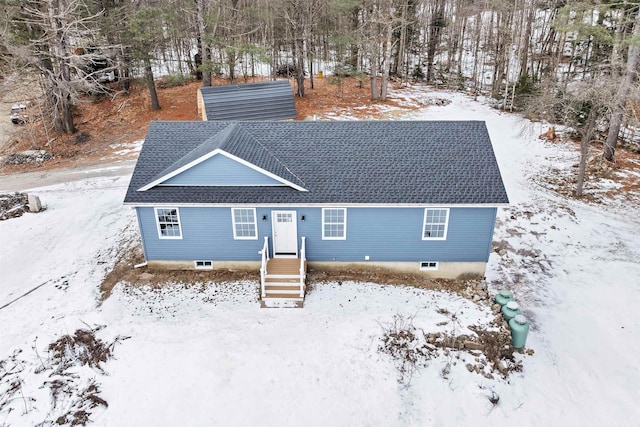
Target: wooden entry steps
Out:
[283,284]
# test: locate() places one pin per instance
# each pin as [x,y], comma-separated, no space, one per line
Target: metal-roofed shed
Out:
[272,100]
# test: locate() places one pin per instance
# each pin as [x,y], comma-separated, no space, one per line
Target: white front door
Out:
[285,234]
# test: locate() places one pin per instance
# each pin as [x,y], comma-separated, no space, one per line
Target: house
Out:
[272,100]
[284,196]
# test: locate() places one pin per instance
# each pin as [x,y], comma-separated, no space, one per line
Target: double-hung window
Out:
[244,223]
[168,222]
[334,224]
[435,224]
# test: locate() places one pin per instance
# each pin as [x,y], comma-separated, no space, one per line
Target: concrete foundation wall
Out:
[446,270]
[217,265]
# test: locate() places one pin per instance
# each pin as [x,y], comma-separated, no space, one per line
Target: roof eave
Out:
[342,204]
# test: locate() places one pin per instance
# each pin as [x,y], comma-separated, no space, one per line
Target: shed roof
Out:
[271,100]
[351,163]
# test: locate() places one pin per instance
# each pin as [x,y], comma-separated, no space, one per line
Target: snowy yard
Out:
[208,355]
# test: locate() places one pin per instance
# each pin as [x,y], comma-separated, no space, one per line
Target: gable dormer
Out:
[232,157]
[222,170]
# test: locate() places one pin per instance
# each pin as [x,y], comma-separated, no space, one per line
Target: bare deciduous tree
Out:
[624,89]
[58,39]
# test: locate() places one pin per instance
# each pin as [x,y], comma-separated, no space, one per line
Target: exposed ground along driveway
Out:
[27,180]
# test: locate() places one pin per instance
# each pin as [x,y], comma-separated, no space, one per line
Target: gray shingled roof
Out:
[365,162]
[250,101]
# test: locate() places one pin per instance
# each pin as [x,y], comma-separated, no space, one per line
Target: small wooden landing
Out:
[284,266]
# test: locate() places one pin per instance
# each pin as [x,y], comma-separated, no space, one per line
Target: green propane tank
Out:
[519,330]
[510,310]
[503,297]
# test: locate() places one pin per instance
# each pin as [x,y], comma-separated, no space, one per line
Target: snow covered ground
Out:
[207,355]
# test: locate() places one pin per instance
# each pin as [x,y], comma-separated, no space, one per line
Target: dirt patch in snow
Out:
[487,352]
[13,205]
[385,277]
[104,124]
[72,397]
[124,271]
[604,181]
[352,98]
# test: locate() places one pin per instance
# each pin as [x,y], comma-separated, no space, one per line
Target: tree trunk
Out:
[310,54]
[461,47]
[124,69]
[587,131]
[477,71]
[126,81]
[453,39]
[203,48]
[151,84]
[63,119]
[67,116]
[231,63]
[299,53]
[617,114]
[354,51]
[524,56]
[437,21]
[387,61]
[502,51]
[374,78]
[398,68]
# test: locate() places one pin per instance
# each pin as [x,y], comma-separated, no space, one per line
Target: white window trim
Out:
[424,224]
[255,224]
[429,268]
[344,237]
[160,236]
[203,267]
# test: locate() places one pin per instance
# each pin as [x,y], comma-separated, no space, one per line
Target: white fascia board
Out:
[322,205]
[223,153]
[262,171]
[180,170]
[222,185]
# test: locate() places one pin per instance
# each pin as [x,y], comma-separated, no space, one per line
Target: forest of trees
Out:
[571,62]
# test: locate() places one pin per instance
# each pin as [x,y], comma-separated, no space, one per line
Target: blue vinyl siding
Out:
[207,234]
[220,170]
[144,247]
[395,234]
[384,234]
